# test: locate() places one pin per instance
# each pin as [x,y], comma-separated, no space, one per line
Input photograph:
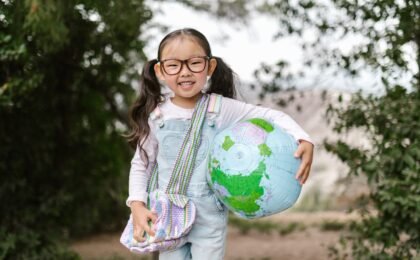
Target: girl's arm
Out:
[139,174]
[233,111]
[137,189]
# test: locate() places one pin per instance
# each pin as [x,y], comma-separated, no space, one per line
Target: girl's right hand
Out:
[141,217]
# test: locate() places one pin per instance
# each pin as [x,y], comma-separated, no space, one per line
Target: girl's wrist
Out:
[136,204]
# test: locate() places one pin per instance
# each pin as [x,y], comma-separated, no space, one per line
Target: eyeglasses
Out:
[194,64]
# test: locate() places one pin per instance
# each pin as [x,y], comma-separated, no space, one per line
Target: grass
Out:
[332,225]
[263,226]
[290,228]
[118,257]
[314,200]
[267,227]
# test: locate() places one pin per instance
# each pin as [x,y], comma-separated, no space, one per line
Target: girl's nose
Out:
[185,71]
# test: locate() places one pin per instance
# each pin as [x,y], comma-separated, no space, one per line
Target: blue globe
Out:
[252,168]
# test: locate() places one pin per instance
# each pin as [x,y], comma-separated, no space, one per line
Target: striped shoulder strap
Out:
[184,164]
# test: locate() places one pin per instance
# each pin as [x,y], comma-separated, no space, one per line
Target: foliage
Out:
[232,11]
[392,165]
[387,42]
[387,31]
[66,73]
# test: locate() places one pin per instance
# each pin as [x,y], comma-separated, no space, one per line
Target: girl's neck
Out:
[188,103]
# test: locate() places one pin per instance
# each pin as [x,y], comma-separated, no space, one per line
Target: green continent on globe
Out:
[264,150]
[227,143]
[244,191]
[262,124]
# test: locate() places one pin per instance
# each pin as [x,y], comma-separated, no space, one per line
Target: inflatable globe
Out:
[252,168]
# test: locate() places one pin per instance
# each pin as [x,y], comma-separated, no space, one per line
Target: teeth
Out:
[186,83]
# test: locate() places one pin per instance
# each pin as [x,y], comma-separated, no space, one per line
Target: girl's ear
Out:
[212,66]
[158,72]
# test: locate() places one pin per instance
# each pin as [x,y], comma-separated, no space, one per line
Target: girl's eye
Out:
[196,62]
[171,64]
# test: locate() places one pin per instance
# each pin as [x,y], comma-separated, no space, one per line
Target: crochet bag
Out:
[176,212]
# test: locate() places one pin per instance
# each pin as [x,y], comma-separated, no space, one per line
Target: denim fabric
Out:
[206,239]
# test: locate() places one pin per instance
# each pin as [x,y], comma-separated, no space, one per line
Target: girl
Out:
[186,65]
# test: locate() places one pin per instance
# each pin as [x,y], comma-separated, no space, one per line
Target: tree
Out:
[67,69]
[389,32]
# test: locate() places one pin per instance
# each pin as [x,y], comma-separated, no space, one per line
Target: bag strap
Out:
[184,164]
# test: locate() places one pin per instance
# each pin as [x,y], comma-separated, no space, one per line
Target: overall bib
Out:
[207,237]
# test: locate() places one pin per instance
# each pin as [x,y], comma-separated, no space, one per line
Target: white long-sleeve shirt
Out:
[231,111]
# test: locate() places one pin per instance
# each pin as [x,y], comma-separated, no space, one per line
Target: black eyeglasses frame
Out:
[206,58]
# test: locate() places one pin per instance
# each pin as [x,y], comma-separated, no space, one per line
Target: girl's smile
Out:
[186,84]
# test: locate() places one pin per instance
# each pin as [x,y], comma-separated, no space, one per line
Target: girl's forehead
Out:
[182,47]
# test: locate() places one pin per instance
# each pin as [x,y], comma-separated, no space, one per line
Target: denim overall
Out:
[206,239]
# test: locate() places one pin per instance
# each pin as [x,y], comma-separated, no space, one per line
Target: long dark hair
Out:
[221,82]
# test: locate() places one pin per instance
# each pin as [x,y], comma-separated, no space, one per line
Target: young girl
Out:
[187,66]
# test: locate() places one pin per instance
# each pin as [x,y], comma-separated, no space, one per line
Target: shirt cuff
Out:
[140,197]
[307,139]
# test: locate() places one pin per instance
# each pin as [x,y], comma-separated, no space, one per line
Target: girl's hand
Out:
[305,151]
[141,216]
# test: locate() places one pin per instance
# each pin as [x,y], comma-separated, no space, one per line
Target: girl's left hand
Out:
[305,151]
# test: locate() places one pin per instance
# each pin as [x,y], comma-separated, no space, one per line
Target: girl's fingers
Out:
[152,216]
[299,151]
[305,175]
[149,230]
[298,154]
[300,172]
[308,171]
[304,169]
[305,166]
[139,234]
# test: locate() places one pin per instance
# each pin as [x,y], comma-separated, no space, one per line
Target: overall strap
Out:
[156,115]
[215,103]
[184,164]
[213,108]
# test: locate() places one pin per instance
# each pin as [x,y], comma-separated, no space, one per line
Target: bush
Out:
[392,165]
[63,161]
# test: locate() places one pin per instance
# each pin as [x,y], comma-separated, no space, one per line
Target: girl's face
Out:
[186,84]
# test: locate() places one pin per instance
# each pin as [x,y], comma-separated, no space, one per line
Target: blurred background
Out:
[346,71]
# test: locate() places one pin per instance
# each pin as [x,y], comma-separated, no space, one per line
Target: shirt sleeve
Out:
[139,173]
[233,111]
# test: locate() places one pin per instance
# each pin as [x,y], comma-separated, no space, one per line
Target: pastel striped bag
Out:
[175,211]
